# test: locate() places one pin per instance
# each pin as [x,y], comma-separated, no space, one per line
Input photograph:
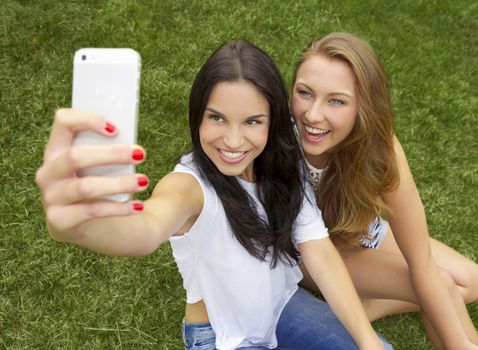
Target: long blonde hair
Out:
[363,165]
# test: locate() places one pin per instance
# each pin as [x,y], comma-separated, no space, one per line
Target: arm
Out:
[330,274]
[409,226]
[176,200]
[73,206]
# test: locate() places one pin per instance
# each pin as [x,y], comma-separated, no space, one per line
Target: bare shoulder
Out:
[406,186]
[177,181]
[399,152]
[183,187]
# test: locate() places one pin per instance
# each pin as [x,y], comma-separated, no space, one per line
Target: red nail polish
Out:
[138,154]
[142,181]
[138,206]
[110,128]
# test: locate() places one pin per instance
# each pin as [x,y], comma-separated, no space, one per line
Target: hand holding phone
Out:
[106,81]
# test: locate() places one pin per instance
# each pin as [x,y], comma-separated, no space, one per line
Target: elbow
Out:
[122,251]
[319,253]
[150,244]
[142,251]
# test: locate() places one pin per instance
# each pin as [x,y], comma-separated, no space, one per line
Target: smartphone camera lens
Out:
[83,57]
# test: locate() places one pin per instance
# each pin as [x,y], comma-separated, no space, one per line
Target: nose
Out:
[233,138]
[316,113]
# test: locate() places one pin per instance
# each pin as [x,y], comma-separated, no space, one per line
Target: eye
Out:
[253,122]
[303,92]
[215,117]
[336,101]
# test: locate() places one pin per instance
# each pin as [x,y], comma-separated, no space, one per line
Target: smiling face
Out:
[235,127]
[324,104]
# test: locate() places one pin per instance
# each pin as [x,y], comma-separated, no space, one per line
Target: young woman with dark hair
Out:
[342,109]
[235,210]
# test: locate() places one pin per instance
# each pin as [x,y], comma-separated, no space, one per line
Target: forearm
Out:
[119,236]
[438,305]
[346,304]
[330,274]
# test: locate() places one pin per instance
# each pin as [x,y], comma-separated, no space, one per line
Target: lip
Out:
[313,138]
[228,160]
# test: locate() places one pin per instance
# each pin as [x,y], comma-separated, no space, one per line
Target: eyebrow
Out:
[329,94]
[254,116]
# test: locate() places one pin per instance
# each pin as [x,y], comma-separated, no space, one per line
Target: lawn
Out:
[55,296]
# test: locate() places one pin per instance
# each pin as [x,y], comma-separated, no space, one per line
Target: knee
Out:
[467,290]
[450,284]
[466,284]
[470,292]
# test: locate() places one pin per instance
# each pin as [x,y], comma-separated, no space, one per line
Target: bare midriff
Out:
[196,313]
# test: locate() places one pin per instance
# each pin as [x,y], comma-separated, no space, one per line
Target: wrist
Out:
[371,342]
[458,344]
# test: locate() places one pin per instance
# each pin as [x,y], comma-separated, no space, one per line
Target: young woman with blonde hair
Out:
[370,204]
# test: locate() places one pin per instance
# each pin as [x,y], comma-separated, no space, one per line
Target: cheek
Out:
[265,134]
[352,124]
[204,135]
[260,136]
[345,122]
[201,133]
[351,120]
[298,106]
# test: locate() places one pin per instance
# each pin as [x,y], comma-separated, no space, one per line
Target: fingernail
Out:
[142,181]
[138,206]
[110,128]
[138,154]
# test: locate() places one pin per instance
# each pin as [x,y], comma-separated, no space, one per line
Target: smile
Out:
[231,157]
[315,131]
[314,135]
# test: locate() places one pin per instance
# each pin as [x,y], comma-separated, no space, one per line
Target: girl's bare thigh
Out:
[384,274]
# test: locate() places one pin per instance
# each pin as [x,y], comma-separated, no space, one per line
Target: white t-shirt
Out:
[243,295]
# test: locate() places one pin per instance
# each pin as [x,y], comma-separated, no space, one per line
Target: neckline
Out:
[313,168]
[245,182]
[314,174]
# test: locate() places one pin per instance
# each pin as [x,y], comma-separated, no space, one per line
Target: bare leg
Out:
[383,274]
[374,308]
[463,270]
[383,283]
[460,275]
[379,308]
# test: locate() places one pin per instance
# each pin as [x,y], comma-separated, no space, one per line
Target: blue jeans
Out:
[306,323]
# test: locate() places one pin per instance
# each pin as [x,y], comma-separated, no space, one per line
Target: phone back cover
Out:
[107,82]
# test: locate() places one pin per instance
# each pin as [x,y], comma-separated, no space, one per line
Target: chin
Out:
[313,150]
[229,172]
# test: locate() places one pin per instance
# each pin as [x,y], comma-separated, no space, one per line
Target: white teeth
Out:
[232,155]
[315,131]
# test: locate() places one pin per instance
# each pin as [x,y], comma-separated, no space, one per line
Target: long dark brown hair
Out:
[276,170]
[363,165]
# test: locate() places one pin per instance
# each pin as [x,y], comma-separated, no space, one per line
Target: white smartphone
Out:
[106,81]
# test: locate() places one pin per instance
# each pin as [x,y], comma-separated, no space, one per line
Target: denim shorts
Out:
[306,323]
[198,336]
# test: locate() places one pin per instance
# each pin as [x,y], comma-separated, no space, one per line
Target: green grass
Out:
[54,296]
